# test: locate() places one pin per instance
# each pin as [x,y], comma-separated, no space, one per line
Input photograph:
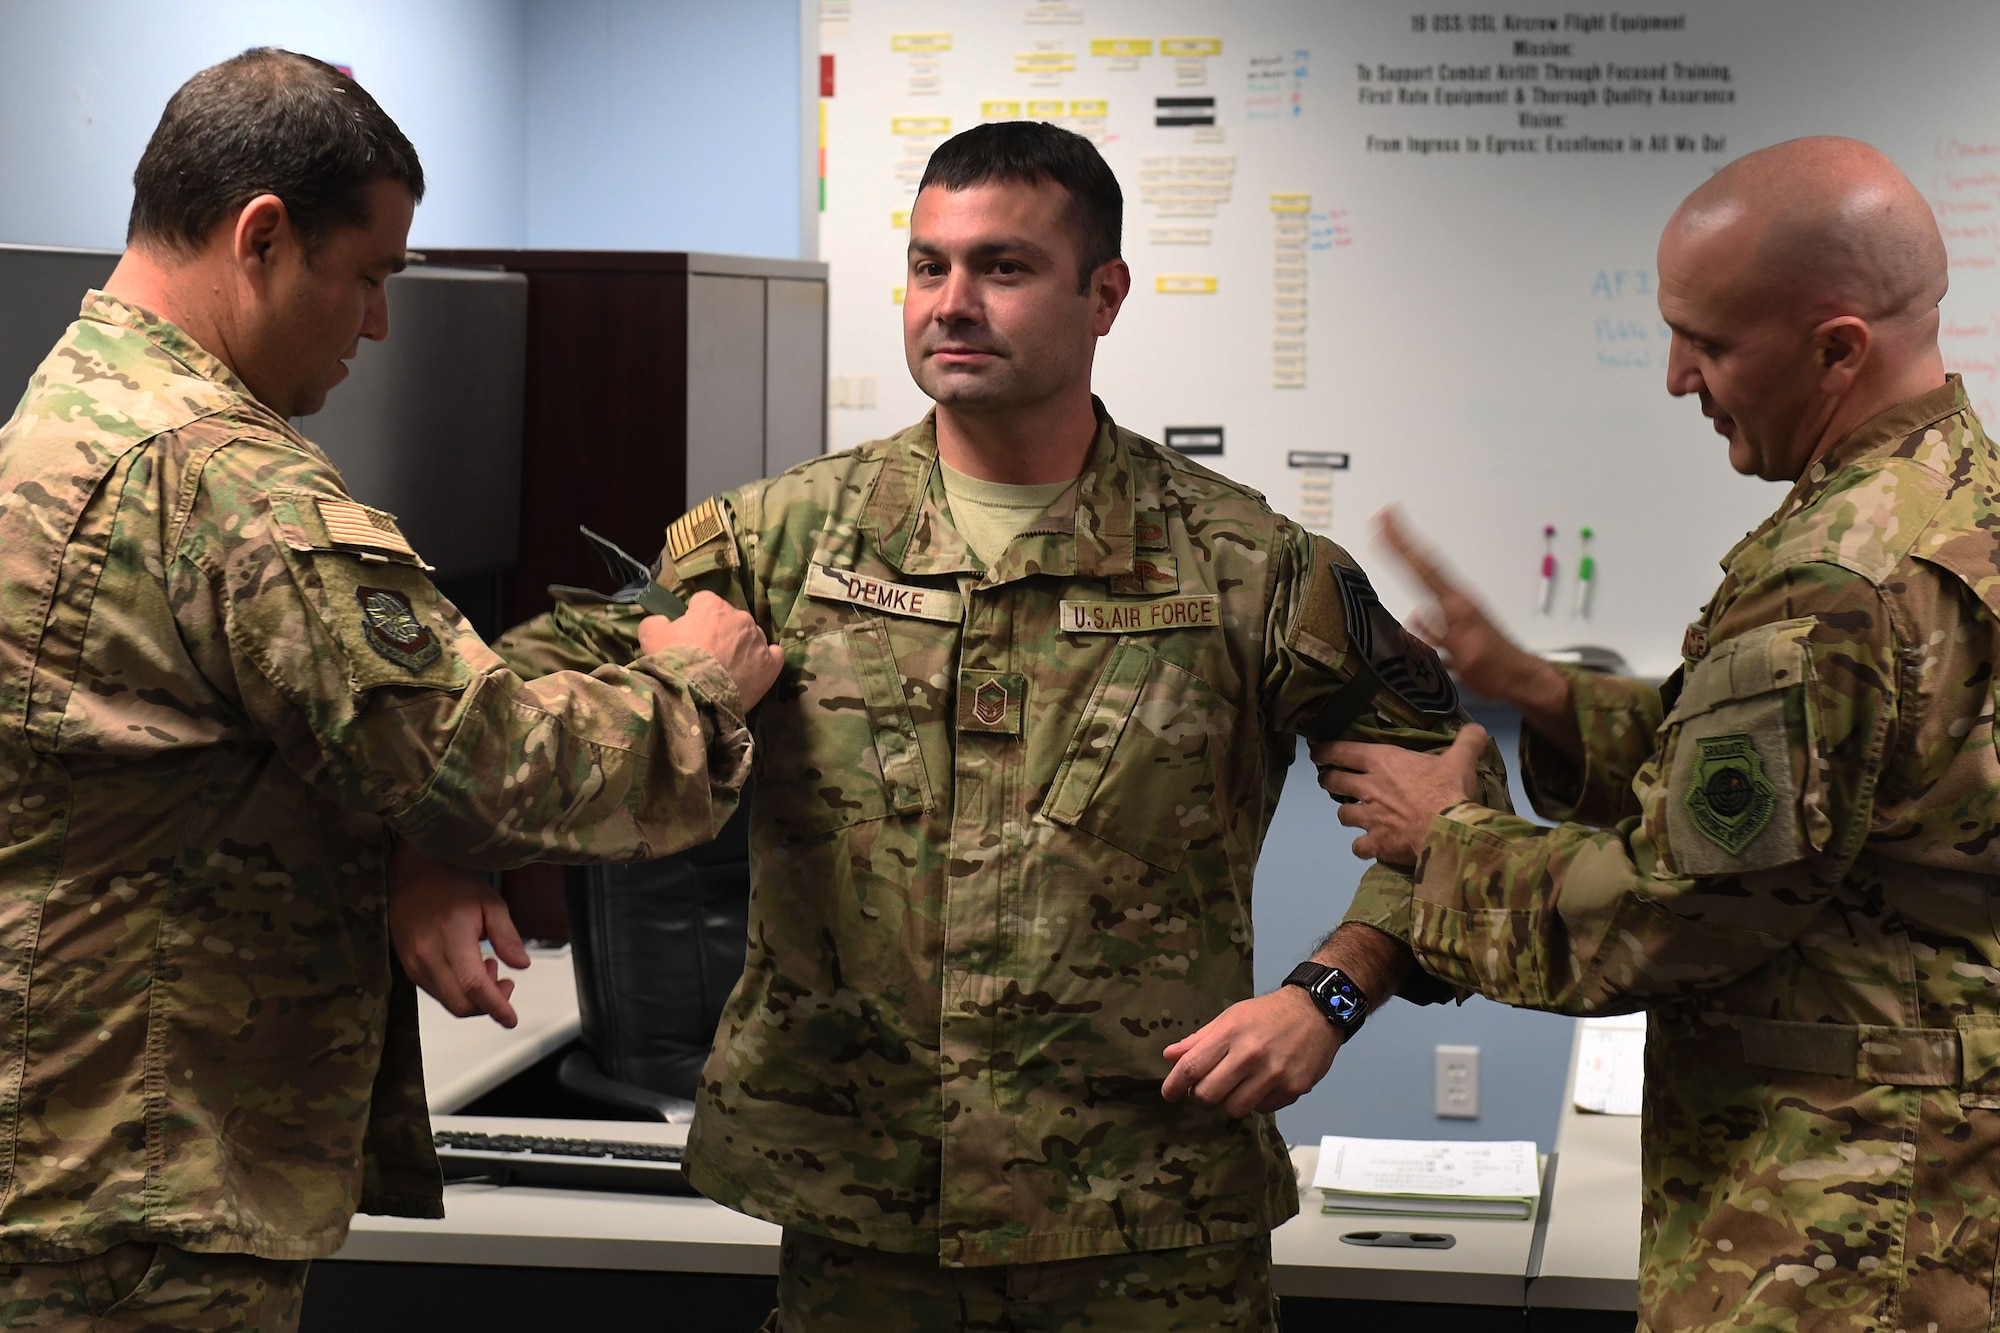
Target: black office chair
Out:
[658,946]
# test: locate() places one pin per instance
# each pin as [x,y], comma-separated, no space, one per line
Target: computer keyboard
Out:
[585,1164]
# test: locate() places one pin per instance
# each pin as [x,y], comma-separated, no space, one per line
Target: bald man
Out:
[1787,855]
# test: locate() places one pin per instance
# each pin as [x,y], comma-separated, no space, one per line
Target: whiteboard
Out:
[1405,238]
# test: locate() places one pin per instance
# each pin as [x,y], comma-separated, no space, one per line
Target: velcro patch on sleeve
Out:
[696,528]
[351,524]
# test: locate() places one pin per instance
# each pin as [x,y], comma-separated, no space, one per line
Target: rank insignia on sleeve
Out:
[1728,797]
[697,527]
[1408,666]
[392,628]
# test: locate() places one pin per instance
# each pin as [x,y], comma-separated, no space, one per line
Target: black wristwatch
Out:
[1333,994]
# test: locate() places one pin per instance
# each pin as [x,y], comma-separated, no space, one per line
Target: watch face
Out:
[1341,998]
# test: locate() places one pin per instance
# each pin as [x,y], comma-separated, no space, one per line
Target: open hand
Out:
[729,635]
[438,915]
[1393,794]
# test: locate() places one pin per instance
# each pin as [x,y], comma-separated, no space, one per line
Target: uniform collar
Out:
[191,356]
[1886,434]
[1086,531]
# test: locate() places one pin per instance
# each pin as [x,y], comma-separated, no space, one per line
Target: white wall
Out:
[81,88]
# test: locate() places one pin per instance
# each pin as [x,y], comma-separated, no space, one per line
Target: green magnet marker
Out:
[1586,570]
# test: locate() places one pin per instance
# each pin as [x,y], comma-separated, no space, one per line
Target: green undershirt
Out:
[990,514]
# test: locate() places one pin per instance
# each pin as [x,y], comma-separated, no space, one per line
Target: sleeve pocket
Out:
[1738,759]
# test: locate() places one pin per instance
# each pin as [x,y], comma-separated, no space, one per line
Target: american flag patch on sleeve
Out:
[351,524]
[697,527]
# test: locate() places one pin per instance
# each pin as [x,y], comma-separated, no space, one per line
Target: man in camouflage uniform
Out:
[226,684]
[1010,791]
[1785,855]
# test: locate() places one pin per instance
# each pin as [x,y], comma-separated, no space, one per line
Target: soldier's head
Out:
[1014,267]
[1801,283]
[271,203]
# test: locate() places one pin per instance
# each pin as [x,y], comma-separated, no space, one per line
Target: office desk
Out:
[466,1057]
[552,1228]
[1590,1253]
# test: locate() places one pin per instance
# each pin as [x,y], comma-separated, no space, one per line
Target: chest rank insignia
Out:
[390,625]
[991,701]
[1728,797]
[1694,643]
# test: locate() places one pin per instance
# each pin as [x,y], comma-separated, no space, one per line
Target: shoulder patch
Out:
[1728,798]
[696,528]
[1405,664]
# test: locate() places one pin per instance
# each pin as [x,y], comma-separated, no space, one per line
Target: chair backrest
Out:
[658,946]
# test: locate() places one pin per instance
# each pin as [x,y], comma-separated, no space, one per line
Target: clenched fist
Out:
[730,636]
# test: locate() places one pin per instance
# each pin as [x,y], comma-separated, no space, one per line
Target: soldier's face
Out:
[1747,356]
[314,311]
[992,318]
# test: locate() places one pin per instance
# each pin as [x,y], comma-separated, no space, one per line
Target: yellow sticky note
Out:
[1190,46]
[1090,106]
[920,125]
[1121,46]
[1044,62]
[1000,110]
[899,218]
[896,295]
[1291,203]
[920,41]
[1043,108]
[1185,284]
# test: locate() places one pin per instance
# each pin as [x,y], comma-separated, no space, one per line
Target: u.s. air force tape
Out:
[1405,664]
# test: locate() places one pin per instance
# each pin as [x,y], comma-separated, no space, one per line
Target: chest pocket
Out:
[1140,769]
[836,742]
[1740,791]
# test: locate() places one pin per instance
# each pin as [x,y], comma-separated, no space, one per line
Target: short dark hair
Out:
[1033,151]
[266,122]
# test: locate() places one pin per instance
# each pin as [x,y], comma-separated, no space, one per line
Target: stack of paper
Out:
[1611,1065]
[1427,1178]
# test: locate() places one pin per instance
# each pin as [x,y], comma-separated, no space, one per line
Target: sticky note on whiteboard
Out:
[1184,284]
[1190,46]
[1121,46]
[920,41]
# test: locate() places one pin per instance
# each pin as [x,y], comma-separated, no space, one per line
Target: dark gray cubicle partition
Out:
[427,425]
[40,290]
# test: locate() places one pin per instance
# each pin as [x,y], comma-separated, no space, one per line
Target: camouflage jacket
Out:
[1788,856]
[224,683]
[1002,841]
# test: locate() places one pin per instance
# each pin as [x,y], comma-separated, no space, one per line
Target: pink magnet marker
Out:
[1548,597]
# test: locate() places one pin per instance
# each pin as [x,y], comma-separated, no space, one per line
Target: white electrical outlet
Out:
[1458,1082]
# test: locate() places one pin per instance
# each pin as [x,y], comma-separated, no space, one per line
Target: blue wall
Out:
[555,123]
[649,121]
[81,88]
